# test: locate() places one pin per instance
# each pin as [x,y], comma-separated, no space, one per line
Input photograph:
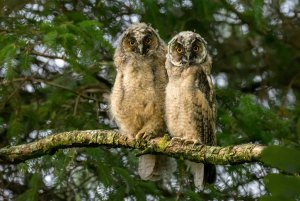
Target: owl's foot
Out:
[193,142]
[145,135]
[177,140]
[197,143]
[185,141]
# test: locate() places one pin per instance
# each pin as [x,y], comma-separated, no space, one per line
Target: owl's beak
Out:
[186,58]
[140,46]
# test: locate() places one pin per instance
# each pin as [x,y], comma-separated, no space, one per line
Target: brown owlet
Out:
[138,94]
[190,98]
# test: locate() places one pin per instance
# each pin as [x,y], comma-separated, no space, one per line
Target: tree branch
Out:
[162,145]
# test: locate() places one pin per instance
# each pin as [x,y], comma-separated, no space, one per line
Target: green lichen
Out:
[166,144]
[163,143]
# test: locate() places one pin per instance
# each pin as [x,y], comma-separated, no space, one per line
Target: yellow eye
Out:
[131,42]
[196,48]
[179,49]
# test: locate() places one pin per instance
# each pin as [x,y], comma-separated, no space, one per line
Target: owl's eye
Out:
[179,49]
[196,48]
[131,42]
[148,41]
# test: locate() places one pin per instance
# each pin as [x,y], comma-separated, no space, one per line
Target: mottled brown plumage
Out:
[138,94]
[190,98]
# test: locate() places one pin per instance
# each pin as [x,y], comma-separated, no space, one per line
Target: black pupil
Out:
[147,39]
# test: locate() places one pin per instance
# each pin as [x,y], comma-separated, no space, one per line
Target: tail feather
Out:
[156,167]
[203,173]
[146,167]
[210,173]
[197,170]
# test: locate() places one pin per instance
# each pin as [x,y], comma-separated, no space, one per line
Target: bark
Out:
[174,147]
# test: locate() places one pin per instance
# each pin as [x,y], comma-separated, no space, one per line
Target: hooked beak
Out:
[140,46]
[186,58]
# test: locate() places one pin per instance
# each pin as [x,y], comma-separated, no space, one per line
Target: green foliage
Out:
[32,192]
[282,187]
[261,124]
[246,120]
[283,158]
[7,55]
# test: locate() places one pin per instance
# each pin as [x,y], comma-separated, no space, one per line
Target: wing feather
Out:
[204,112]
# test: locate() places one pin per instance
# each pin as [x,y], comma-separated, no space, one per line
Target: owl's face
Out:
[187,48]
[140,39]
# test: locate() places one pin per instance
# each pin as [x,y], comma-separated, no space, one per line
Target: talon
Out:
[188,142]
[145,136]
[176,139]
[139,136]
[192,142]
[197,142]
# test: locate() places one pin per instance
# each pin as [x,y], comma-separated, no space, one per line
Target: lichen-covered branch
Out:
[164,145]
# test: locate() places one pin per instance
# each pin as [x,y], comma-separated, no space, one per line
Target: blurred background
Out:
[56,72]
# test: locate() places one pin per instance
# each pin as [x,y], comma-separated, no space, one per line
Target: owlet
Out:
[190,98]
[138,94]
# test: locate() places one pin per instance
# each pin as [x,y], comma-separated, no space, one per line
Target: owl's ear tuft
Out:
[201,39]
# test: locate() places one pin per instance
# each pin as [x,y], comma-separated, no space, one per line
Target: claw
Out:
[197,143]
[139,136]
[193,142]
[185,141]
[176,140]
[146,136]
